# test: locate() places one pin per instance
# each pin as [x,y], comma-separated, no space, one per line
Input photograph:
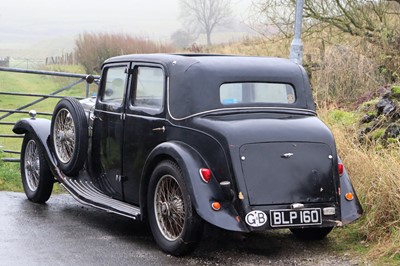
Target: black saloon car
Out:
[179,140]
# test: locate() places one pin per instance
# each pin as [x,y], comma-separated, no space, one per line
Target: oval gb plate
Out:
[256,218]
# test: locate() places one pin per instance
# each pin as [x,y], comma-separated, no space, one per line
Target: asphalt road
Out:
[64,232]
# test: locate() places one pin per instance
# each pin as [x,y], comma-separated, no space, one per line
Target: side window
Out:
[149,87]
[114,85]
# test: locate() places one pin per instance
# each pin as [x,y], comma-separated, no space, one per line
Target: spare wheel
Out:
[69,135]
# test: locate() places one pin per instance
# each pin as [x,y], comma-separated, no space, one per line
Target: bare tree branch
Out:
[371,18]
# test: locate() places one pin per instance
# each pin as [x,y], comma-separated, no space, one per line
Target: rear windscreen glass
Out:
[256,92]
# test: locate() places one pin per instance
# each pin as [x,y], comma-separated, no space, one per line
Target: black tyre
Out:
[69,135]
[37,178]
[310,234]
[175,225]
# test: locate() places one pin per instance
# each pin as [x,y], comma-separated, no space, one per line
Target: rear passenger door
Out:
[144,123]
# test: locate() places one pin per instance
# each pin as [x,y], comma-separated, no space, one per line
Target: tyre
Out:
[175,225]
[69,135]
[37,178]
[309,234]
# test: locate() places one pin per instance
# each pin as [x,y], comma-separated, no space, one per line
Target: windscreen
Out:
[256,92]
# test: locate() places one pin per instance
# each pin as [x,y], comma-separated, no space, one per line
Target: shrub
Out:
[91,49]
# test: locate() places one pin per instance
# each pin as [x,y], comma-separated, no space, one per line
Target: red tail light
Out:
[205,174]
[340,169]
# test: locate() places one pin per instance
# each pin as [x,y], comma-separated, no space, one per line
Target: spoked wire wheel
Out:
[64,135]
[69,135]
[169,207]
[32,165]
[37,178]
[175,225]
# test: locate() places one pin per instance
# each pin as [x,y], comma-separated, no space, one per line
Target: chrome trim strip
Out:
[107,112]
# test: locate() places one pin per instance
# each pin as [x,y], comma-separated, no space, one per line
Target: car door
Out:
[144,123]
[108,124]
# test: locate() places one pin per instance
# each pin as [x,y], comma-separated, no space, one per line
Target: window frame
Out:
[103,85]
[147,109]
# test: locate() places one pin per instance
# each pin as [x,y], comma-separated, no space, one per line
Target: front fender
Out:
[350,210]
[41,129]
[201,193]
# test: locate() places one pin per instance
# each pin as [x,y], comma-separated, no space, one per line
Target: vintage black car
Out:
[179,140]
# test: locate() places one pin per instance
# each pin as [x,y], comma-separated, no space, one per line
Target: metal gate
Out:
[4,113]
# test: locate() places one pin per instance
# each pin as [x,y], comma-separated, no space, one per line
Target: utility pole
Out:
[296,48]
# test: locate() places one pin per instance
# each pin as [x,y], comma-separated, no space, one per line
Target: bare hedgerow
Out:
[91,49]
[344,74]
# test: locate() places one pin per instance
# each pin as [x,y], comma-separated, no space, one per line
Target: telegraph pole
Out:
[296,48]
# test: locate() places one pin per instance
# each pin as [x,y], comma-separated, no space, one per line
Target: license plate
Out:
[287,218]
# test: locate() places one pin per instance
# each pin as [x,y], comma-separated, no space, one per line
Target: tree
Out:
[365,18]
[205,14]
[373,21]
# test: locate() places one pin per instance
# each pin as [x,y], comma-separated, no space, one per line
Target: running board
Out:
[87,193]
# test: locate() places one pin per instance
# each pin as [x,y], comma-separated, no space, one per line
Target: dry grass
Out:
[375,173]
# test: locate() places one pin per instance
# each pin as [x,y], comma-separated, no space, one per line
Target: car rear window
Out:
[256,92]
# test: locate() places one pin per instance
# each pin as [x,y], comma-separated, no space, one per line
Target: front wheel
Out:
[175,225]
[309,234]
[37,178]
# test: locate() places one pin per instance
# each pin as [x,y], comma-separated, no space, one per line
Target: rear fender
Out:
[202,194]
[350,210]
[41,129]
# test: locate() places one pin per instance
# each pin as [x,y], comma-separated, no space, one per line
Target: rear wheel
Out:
[175,225]
[37,178]
[69,135]
[309,234]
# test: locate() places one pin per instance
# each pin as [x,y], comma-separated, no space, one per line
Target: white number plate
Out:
[286,218]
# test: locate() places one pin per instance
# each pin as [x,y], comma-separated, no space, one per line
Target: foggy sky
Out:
[24,22]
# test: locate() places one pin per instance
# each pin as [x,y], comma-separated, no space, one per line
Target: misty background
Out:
[42,28]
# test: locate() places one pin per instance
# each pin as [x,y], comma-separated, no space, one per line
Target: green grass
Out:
[10,178]
[347,119]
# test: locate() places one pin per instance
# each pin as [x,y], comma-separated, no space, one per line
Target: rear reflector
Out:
[349,196]
[205,174]
[340,169]
[216,206]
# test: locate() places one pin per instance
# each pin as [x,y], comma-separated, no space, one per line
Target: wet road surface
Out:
[64,232]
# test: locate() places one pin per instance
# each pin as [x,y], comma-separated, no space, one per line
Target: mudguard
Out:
[202,194]
[350,210]
[41,129]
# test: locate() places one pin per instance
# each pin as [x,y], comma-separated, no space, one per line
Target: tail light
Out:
[205,174]
[340,169]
